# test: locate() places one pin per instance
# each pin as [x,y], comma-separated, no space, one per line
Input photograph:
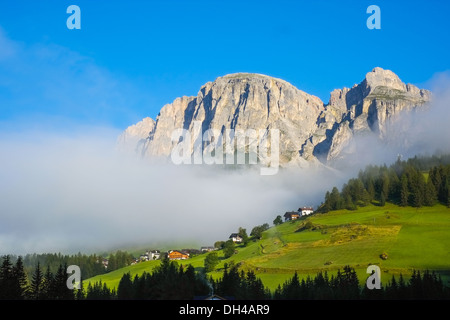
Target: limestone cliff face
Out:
[310,131]
[134,137]
[367,107]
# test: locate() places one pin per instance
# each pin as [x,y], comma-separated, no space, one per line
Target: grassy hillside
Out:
[412,238]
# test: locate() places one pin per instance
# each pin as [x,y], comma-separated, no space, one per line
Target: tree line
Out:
[180,282]
[345,286]
[171,281]
[403,183]
[91,265]
[15,284]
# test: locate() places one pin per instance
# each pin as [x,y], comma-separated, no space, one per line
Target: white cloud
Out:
[74,193]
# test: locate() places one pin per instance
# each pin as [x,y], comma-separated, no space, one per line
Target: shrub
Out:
[384,256]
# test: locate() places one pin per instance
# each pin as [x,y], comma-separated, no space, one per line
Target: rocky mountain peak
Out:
[379,77]
[310,131]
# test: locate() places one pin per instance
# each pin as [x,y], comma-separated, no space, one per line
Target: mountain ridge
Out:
[311,132]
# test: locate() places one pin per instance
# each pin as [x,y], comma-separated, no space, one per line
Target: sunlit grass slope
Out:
[410,238]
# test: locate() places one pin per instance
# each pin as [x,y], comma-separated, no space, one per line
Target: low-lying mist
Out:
[74,193]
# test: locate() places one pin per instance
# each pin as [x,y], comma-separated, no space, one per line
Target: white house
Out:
[235,237]
[154,255]
[150,255]
[305,211]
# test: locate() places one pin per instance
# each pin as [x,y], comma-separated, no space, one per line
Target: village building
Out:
[207,249]
[293,215]
[177,255]
[235,237]
[150,255]
[306,211]
[154,255]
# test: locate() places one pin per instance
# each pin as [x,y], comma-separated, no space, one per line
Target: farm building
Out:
[177,255]
[235,237]
[289,216]
[305,211]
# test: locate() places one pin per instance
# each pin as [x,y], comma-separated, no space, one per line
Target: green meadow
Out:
[397,239]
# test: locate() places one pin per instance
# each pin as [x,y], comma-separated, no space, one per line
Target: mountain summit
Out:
[310,131]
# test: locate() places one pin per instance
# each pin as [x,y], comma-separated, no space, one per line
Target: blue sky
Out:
[132,57]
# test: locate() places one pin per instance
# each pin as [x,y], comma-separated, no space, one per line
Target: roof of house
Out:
[292,213]
[305,208]
[172,251]
[235,235]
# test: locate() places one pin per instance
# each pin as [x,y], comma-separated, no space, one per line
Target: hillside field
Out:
[411,238]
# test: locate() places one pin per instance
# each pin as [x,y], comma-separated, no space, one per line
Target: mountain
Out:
[310,131]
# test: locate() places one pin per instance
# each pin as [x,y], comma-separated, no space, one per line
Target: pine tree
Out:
[125,287]
[404,193]
[403,291]
[349,284]
[255,287]
[335,199]
[62,292]
[394,186]
[6,279]
[371,189]
[392,290]
[292,288]
[416,285]
[435,177]
[48,286]
[20,280]
[278,294]
[37,283]
[382,199]
[446,192]
[430,194]
[326,206]
[384,192]
[79,293]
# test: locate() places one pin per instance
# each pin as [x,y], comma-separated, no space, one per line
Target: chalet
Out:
[235,237]
[207,249]
[153,254]
[177,255]
[305,211]
[289,216]
[156,254]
